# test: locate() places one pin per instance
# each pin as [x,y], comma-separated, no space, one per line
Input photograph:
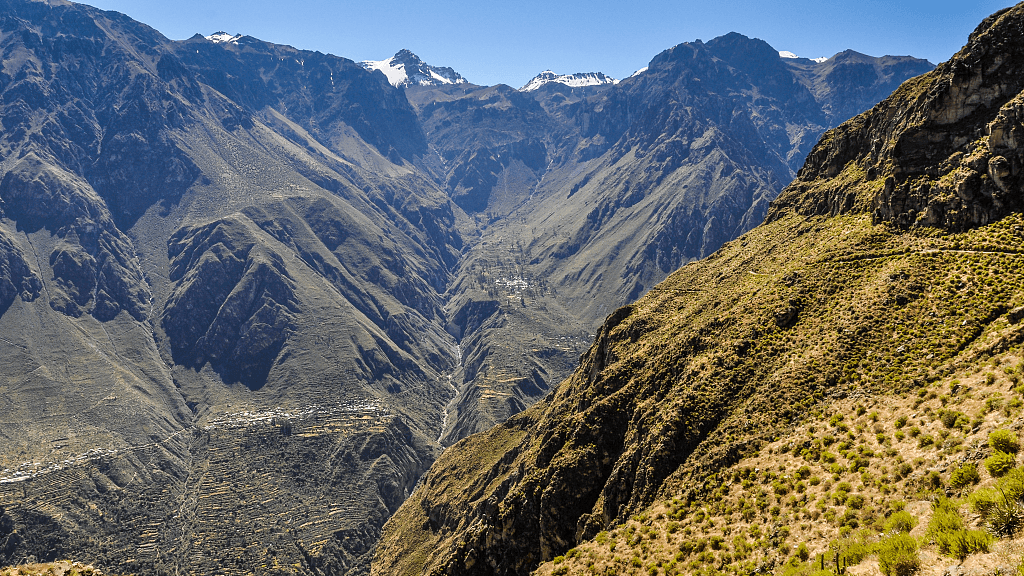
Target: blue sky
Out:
[509,42]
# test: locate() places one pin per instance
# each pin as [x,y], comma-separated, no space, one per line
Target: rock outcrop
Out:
[941,151]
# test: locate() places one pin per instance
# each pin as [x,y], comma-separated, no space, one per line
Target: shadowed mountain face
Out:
[248,292]
[890,264]
[221,287]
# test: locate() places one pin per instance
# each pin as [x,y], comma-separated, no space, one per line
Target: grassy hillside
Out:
[728,356]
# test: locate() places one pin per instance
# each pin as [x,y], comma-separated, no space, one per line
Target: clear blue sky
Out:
[511,41]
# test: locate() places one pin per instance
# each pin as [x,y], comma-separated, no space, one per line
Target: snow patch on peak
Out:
[223,37]
[406,69]
[788,54]
[577,80]
[394,71]
[638,72]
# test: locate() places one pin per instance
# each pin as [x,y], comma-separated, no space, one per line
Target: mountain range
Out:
[249,292]
[838,389]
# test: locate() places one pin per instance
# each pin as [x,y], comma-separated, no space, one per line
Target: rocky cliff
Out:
[941,151]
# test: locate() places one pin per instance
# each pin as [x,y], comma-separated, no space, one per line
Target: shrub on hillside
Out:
[1000,463]
[1004,441]
[897,555]
[964,476]
[947,529]
[900,522]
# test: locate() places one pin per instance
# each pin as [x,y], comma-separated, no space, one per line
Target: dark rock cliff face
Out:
[17,279]
[233,305]
[941,151]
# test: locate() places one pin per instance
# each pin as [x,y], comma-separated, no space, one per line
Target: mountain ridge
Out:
[824,301]
[252,281]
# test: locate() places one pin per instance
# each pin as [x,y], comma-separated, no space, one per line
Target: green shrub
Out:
[994,403]
[901,522]
[1002,507]
[1004,441]
[963,543]
[897,555]
[901,421]
[802,552]
[953,419]
[964,476]
[904,469]
[999,464]
[945,522]
[1013,484]
[946,528]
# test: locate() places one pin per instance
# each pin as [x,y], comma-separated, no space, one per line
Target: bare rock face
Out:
[233,304]
[941,151]
[17,279]
[93,262]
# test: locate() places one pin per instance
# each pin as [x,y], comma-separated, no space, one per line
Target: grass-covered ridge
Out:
[861,487]
[714,366]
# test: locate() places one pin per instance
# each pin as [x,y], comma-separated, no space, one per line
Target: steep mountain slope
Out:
[221,298]
[247,292]
[838,294]
[583,198]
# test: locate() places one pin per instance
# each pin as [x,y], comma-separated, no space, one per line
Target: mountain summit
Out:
[406,69]
[578,80]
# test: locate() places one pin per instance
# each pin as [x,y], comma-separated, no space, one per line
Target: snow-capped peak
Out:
[406,69]
[578,80]
[222,37]
[638,72]
[788,54]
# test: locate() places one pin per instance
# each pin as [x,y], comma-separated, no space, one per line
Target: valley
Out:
[251,293]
